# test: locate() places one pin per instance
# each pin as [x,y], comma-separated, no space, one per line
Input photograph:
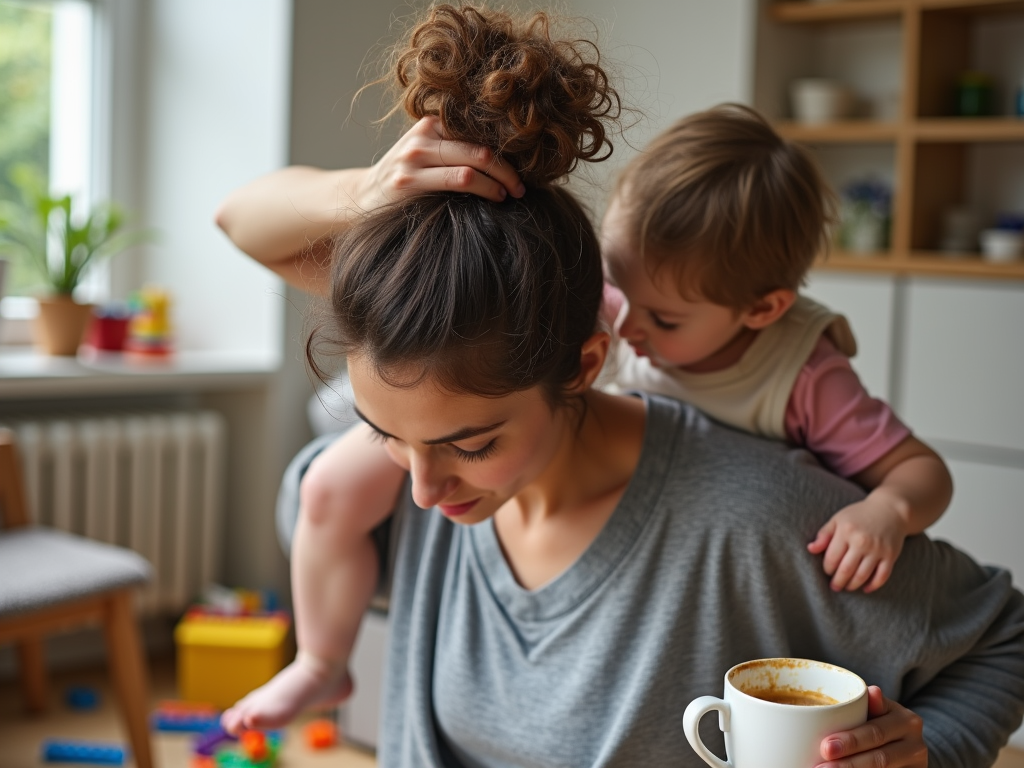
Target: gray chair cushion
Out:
[41,567]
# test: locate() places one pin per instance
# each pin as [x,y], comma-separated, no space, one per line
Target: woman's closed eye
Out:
[479,454]
[663,324]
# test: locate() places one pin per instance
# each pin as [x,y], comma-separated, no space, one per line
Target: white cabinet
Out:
[964,362]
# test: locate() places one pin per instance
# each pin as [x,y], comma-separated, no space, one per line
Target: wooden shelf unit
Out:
[931,150]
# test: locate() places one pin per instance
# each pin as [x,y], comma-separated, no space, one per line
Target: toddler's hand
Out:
[861,543]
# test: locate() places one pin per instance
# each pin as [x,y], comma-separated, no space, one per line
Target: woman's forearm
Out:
[286,219]
[283,219]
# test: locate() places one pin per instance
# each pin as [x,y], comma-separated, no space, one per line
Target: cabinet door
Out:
[963,370]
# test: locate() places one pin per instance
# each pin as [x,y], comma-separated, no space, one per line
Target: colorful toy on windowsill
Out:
[62,751]
[149,331]
[108,329]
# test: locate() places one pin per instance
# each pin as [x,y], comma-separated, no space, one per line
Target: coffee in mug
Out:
[776,712]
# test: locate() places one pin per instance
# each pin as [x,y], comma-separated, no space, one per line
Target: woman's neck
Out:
[551,522]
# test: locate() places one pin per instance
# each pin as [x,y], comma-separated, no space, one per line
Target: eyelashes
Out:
[477,455]
[662,324]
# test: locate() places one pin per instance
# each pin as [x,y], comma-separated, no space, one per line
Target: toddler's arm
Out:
[859,437]
[348,490]
[910,488]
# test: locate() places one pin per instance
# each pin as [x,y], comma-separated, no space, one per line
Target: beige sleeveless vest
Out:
[751,395]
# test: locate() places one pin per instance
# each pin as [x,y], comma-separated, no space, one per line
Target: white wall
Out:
[671,57]
[214,115]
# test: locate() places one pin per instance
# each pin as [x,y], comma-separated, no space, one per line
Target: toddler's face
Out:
[656,320]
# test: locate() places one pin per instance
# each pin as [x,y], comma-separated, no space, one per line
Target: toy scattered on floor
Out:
[184,716]
[223,600]
[202,761]
[320,734]
[61,751]
[254,745]
[207,743]
[255,749]
[82,697]
[149,331]
[177,706]
[222,658]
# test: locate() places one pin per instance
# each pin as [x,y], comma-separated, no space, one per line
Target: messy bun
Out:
[538,103]
[481,297]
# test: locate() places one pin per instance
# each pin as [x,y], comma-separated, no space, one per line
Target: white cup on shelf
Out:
[1001,245]
[819,100]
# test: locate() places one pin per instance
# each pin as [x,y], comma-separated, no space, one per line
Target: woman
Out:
[594,562]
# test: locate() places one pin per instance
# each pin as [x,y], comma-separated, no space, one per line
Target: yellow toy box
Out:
[222,658]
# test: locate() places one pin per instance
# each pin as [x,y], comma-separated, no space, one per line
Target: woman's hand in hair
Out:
[424,161]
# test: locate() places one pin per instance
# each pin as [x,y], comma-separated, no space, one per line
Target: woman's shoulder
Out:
[762,481]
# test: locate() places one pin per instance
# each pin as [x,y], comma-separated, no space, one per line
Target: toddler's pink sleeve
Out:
[832,415]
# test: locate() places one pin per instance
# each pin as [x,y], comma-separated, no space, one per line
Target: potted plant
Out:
[60,247]
[865,216]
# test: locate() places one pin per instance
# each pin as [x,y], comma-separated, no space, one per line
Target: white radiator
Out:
[152,482]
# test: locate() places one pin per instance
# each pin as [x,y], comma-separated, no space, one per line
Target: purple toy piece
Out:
[207,743]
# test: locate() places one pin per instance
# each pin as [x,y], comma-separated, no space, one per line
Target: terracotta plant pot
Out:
[61,324]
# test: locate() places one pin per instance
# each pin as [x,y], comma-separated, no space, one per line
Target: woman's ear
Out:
[592,356]
[769,308]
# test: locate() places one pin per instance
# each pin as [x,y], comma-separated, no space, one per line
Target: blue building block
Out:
[195,722]
[60,751]
[82,697]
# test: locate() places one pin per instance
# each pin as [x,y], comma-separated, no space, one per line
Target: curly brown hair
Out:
[501,81]
[484,298]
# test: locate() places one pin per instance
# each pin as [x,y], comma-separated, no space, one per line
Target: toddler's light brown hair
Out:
[734,210]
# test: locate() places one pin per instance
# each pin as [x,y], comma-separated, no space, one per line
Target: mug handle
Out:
[695,710]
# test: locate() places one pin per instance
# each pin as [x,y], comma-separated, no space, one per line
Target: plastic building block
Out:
[60,751]
[206,744]
[222,658]
[254,745]
[196,722]
[174,706]
[202,761]
[237,758]
[320,734]
[82,697]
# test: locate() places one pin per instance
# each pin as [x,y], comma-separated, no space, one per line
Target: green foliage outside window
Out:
[25,34]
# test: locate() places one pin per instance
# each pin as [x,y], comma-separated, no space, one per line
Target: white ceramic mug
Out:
[765,734]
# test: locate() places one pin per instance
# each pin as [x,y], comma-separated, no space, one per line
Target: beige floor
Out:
[21,736]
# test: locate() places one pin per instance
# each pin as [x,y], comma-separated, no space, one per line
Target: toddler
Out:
[708,238]
[709,235]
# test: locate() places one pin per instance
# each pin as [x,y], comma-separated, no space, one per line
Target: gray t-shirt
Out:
[702,565]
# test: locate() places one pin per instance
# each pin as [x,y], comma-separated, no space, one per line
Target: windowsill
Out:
[26,373]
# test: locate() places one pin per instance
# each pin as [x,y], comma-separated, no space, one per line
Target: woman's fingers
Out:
[428,148]
[891,737]
[458,179]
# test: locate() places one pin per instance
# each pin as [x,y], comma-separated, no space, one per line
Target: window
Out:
[46,97]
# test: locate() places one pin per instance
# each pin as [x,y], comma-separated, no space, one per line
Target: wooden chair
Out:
[51,580]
